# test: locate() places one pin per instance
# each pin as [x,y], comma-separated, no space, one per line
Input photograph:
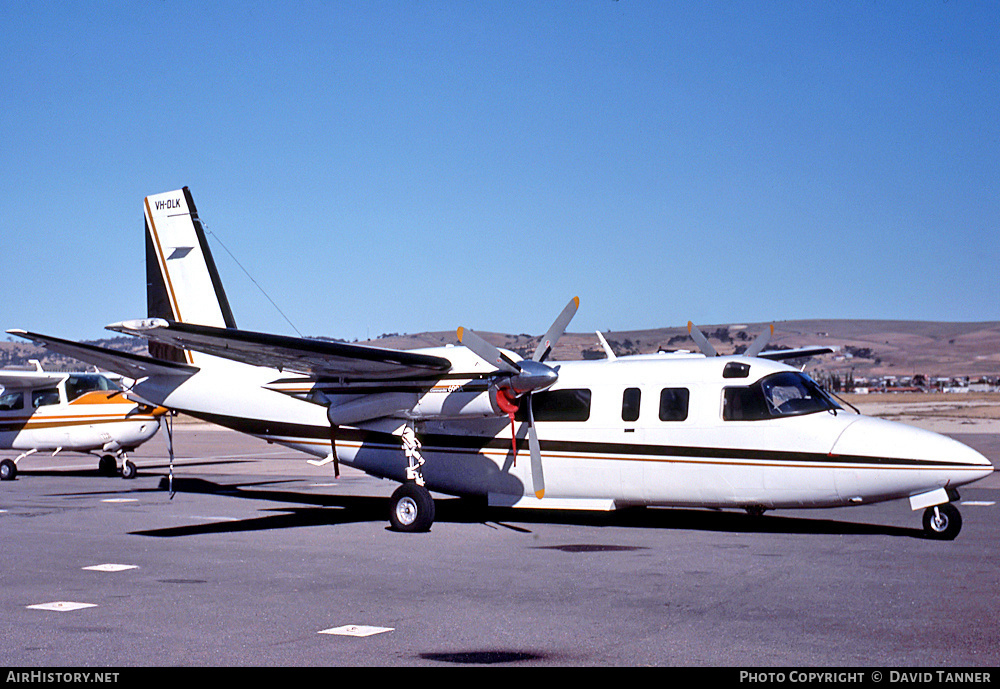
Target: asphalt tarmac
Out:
[260,559]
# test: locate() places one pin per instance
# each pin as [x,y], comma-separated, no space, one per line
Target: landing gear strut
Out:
[942,522]
[411,507]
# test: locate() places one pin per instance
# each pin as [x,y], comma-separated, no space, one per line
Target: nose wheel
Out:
[942,522]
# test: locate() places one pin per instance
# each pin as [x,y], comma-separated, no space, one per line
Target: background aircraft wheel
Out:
[106,465]
[942,522]
[8,470]
[411,508]
[129,469]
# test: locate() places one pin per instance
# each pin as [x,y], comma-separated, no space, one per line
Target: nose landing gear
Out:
[942,522]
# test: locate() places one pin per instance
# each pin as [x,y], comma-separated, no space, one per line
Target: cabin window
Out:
[630,404]
[789,393]
[79,384]
[557,405]
[674,404]
[12,401]
[44,396]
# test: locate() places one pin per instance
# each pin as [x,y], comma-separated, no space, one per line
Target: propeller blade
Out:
[537,479]
[486,351]
[758,345]
[703,343]
[556,330]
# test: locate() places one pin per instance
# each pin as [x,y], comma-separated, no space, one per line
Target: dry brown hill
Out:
[867,347]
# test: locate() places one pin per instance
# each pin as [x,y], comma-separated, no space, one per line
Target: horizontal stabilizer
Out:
[319,358]
[127,364]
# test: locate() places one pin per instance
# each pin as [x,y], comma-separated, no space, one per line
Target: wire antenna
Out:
[247,273]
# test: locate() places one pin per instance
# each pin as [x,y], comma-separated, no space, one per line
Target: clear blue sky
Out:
[418,165]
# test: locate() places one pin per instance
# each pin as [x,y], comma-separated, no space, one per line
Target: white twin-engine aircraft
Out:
[71,412]
[688,430]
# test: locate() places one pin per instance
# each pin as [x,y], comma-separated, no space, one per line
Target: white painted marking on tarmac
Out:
[119,500]
[111,567]
[979,503]
[356,630]
[62,606]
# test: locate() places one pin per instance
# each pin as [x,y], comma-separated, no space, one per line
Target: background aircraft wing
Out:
[781,354]
[319,358]
[125,363]
[28,380]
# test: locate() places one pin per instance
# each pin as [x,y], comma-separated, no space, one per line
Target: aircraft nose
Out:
[892,442]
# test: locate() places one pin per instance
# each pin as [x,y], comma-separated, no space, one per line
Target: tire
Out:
[8,470]
[106,466]
[129,469]
[411,509]
[943,522]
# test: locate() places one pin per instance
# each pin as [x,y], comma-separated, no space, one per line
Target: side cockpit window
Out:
[44,397]
[80,384]
[788,393]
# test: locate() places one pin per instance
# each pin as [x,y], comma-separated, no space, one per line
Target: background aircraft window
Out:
[630,404]
[12,401]
[76,385]
[674,404]
[557,405]
[44,396]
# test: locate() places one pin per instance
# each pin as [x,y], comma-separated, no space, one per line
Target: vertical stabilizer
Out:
[182,281]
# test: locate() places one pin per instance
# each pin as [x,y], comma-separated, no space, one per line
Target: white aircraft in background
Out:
[688,430]
[72,412]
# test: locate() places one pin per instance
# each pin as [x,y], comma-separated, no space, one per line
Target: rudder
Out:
[182,281]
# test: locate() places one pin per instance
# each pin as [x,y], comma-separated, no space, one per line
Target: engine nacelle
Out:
[438,403]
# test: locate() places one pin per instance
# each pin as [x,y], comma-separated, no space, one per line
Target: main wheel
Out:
[106,465]
[942,522]
[8,470]
[411,508]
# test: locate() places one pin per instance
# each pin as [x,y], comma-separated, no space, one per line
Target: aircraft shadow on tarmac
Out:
[313,509]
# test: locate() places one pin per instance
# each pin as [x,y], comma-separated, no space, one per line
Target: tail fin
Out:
[182,281]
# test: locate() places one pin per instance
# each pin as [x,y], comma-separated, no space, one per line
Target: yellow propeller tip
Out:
[460,331]
[539,494]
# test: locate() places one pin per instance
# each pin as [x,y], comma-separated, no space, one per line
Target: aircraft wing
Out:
[781,354]
[28,380]
[319,358]
[127,364]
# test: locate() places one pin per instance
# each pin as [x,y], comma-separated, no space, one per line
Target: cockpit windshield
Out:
[789,393]
[80,383]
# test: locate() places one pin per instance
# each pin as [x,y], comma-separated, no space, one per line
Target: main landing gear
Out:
[411,507]
[942,522]
[108,466]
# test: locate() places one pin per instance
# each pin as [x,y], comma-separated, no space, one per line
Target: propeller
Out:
[758,345]
[521,379]
[699,337]
[708,350]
